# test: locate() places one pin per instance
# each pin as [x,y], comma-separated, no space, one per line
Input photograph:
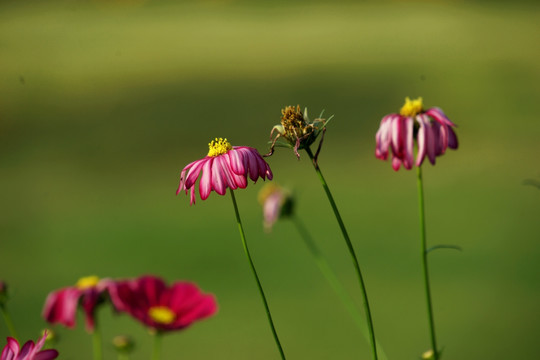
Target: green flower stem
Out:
[334,282]
[8,321]
[122,356]
[351,251]
[96,342]
[425,262]
[156,350]
[246,250]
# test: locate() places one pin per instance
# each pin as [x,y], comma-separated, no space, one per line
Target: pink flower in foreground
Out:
[29,351]
[431,128]
[224,167]
[158,306]
[61,305]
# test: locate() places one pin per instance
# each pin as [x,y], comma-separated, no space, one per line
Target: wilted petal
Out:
[409,143]
[237,162]
[452,139]
[48,354]
[437,114]
[205,184]
[219,181]
[396,163]
[421,140]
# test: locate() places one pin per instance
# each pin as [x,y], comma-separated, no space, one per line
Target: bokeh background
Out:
[103,103]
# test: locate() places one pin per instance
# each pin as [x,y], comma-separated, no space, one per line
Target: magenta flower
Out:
[29,351]
[160,307]
[431,128]
[224,167]
[61,305]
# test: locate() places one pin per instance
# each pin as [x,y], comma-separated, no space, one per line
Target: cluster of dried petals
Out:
[431,129]
[296,128]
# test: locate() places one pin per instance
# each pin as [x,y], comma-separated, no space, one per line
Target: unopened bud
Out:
[123,344]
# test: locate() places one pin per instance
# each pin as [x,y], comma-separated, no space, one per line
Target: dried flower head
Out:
[296,128]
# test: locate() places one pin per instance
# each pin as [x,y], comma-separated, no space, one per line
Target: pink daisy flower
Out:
[161,307]
[61,305]
[29,351]
[431,128]
[224,167]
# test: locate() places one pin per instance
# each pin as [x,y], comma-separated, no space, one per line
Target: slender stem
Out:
[334,282]
[156,351]
[351,251]
[122,356]
[425,262]
[246,250]
[9,322]
[96,342]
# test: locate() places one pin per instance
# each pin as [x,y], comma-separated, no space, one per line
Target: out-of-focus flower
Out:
[123,344]
[428,355]
[61,305]
[277,203]
[161,307]
[431,129]
[296,128]
[29,351]
[225,166]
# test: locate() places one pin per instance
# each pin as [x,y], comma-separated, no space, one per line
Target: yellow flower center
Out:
[87,282]
[411,107]
[162,315]
[218,147]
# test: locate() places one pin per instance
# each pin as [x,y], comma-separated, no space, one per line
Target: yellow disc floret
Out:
[161,315]
[411,107]
[219,147]
[87,282]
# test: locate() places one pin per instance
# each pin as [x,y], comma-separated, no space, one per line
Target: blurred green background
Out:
[102,104]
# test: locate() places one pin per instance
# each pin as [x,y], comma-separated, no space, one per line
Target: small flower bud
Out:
[123,344]
[52,336]
[428,355]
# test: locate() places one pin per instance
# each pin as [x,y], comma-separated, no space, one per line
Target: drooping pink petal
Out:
[408,157]
[194,173]
[26,350]
[11,350]
[437,114]
[181,186]
[229,175]
[383,138]
[48,354]
[452,139]
[219,179]
[61,306]
[205,184]
[421,140]
[397,135]
[396,162]
[237,162]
